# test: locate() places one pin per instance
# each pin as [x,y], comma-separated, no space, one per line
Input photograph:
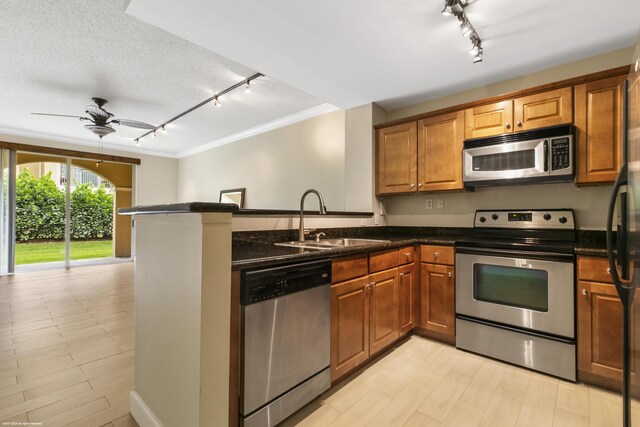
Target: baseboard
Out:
[141,412]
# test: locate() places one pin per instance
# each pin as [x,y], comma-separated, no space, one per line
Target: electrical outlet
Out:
[440,203]
[363,222]
[376,219]
[429,203]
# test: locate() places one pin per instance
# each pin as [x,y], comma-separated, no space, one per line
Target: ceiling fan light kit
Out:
[456,8]
[101,120]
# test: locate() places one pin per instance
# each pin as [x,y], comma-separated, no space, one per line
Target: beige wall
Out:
[275,167]
[589,203]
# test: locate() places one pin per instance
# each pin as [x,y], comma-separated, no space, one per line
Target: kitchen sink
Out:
[325,244]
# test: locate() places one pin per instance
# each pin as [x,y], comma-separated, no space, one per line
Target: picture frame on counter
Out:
[234,195]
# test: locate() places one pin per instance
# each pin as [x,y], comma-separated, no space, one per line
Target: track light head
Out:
[247,87]
[216,103]
[448,5]
[478,57]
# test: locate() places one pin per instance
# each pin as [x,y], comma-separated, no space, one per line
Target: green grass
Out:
[32,253]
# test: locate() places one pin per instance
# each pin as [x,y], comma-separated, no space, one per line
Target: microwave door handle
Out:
[546,155]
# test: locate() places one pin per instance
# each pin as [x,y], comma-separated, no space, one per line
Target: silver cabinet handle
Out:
[401,274]
[584,292]
[407,254]
[507,125]
[420,185]
[609,270]
[435,254]
[519,123]
[449,274]
[413,185]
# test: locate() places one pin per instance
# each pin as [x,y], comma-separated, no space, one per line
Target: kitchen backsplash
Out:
[589,204]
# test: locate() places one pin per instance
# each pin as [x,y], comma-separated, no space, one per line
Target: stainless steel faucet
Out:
[323,211]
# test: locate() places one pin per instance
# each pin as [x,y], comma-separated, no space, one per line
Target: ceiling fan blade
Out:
[59,115]
[133,123]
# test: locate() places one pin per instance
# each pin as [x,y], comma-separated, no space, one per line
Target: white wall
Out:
[275,167]
[156,179]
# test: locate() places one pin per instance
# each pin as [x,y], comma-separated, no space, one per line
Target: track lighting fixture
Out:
[214,98]
[456,8]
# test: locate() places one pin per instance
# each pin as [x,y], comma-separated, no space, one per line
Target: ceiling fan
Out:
[101,120]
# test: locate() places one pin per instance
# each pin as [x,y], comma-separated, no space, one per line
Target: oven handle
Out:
[509,253]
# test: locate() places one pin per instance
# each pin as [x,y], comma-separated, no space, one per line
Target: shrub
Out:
[40,210]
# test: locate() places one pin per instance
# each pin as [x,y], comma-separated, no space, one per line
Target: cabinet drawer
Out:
[594,269]
[406,255]
[383,260]
[437,254]
[349,267]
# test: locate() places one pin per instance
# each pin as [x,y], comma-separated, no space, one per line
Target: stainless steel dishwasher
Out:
[284,364]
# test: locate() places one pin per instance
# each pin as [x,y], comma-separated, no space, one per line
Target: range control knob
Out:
[563,219]
[546,217]
[494,217]
[483,219]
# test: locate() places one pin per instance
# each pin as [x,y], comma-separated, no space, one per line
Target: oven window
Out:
[516,287]
[515,160]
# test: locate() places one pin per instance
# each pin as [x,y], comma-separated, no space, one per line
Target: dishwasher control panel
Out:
[265,284]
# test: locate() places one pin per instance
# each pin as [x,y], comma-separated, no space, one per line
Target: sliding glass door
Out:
[7,210]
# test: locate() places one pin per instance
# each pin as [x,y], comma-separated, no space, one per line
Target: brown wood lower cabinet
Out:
[383,309]
[407,297]
[600,325]
[437,284]
[349,325]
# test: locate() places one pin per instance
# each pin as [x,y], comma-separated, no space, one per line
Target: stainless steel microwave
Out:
[541,155]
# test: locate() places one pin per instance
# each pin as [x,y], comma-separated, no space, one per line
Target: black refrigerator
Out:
[623,239]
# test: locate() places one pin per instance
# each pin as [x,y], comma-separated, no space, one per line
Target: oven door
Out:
[525,159]
[524,289]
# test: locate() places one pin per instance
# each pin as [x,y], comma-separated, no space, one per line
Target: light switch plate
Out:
[429,203]
[440,203]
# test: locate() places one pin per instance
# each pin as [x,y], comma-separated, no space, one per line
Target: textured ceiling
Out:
[395,53]
[56,55]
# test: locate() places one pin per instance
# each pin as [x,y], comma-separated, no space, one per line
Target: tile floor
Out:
[425,383]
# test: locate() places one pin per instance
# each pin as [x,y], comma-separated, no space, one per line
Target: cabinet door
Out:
[488,120]
[438,298]
[600,330]
[599,130]
[349,326]
[543,109]
[440,152]
[383,306]
[406,297]
[397,159]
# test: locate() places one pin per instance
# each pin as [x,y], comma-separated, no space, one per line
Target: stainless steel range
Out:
[515,289]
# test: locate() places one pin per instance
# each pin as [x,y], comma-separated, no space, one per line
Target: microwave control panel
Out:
[560,154]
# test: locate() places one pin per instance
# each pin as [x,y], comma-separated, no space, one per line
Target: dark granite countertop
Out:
[191,207]
[289,212]
[257,249]
[591,243]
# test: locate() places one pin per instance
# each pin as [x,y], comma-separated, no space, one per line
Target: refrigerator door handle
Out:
[621,248]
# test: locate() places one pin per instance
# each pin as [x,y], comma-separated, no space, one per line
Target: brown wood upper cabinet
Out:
[598,121]
[420,156]
[440,152]
[525,113]
[396,159]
